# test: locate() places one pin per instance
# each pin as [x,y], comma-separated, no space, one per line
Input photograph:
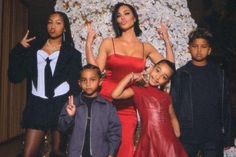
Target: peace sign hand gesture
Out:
[91,35]
[71,108]
[25,41]
[163,31]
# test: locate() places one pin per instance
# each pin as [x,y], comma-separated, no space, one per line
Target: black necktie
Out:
[49,92]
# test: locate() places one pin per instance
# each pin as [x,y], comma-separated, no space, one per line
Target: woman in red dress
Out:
[159,125]
[120,56]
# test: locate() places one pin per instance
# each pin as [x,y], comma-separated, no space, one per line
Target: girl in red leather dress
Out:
[159,125]
[120,56]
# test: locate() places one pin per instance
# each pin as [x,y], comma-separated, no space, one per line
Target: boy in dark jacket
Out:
[201,100]
[96,129]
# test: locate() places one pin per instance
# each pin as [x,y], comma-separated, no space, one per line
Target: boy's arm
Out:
[175,93]
[227,116]
[121,92]
[66,118]
[114,131]
[174,121]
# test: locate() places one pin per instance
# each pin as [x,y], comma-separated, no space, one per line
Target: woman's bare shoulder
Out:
[107,40]
[148,47]
[106,45]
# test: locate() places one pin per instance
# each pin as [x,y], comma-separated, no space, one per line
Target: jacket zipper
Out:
[91,152]
[222,101]
[86,110]
[190,92]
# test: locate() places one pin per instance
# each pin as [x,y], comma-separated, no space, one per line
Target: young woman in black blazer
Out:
[51,66]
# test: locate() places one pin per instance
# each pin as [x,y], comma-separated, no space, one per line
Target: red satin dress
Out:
[157,138]
[117,67]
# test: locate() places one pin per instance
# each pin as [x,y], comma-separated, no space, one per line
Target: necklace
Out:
[51,47]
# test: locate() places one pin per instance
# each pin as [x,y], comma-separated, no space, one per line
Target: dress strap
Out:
[113,44]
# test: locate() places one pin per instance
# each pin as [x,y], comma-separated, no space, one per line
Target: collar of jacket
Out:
[98,99]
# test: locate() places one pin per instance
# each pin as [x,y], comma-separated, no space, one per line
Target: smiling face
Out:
[160,74]
[199,49]
[55,26]
[89,82]
[125,18]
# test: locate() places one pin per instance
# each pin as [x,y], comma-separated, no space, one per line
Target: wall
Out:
[13,24]
[15,17]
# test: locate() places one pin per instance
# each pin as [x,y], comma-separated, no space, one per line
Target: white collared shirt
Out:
[63,88]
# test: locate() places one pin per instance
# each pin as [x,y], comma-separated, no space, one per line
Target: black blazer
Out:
[23,64]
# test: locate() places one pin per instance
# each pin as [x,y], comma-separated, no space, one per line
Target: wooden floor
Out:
[12,148]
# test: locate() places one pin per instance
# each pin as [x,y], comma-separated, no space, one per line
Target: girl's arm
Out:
[121,92]
[100,61]
[153,54]
[18,60]
[174,121]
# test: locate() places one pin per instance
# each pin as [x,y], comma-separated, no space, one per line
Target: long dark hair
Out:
[68,38]
[115,25]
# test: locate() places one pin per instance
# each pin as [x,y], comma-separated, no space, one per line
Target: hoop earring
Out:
[63,37]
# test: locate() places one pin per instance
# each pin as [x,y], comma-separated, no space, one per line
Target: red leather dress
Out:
[117,67]
[157,138]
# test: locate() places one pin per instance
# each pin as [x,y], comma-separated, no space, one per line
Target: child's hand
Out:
[136,77]
[71,108]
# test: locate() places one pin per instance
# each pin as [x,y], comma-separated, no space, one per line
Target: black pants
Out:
[207,149]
